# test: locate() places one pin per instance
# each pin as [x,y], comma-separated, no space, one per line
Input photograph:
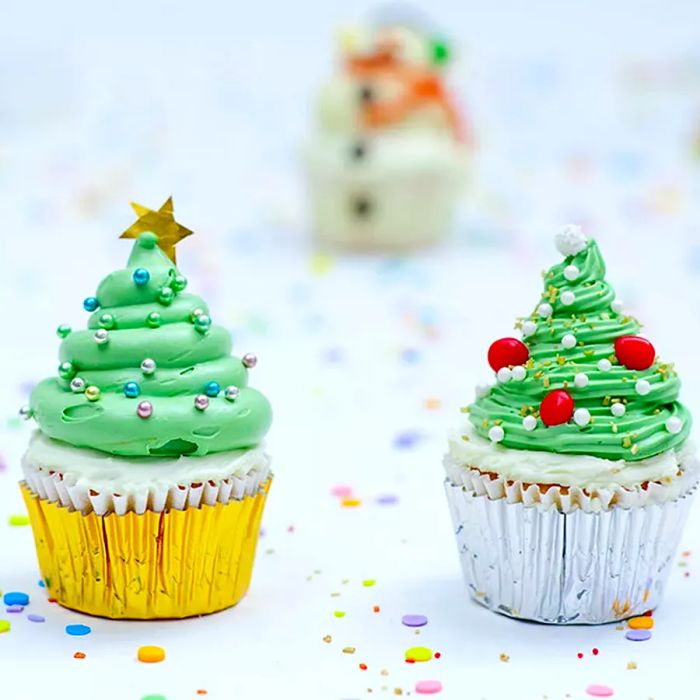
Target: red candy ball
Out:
[634,352]
[557,407]
[507,351]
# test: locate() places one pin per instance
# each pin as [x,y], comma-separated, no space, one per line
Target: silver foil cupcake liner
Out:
[538,563]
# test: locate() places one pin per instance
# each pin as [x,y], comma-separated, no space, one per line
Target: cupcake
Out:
[147,477]
[572,479]
[388,160]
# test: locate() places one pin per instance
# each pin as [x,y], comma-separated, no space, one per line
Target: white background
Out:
[582,113]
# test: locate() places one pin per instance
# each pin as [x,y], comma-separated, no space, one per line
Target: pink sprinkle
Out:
[600,691]
[341,491]
[428,687]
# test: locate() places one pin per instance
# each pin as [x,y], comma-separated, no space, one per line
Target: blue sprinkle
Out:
[131,390]
[36,618]
[78,630]
[14,608]
[90,304]
[212,389]
[15,598]
[406,440]
[638,635]
[141,276]
[42,584]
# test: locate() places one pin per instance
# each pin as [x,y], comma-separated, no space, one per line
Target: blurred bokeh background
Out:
[582,112]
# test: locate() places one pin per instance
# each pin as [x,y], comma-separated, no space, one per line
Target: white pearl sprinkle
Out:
[569,341]
[571,240]
[581,380]
[496,434]
[617,306]
[582,417]
[481,390]
[544,310]
[618,410]
[571,272]
[529,328]
[642,387]
[101,336]
[674,425]
[604,365]
[504,374]
[567,298]
[529,423]
[518,373]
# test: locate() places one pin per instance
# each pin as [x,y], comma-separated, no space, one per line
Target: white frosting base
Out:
[87,480]
[583,471]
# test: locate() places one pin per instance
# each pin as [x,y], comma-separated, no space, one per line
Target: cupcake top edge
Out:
[582,379]
[151,375]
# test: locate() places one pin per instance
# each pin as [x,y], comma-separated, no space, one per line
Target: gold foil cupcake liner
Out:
[168,564]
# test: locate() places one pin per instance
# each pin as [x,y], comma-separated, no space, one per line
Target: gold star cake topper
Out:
[160,222]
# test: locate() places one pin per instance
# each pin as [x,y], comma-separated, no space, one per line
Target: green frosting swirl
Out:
[640,433]
[187,360]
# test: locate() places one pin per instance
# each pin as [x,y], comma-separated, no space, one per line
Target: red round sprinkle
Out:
[649,613]
[363,667]
[437,654]
[79,655]
[507,351]
[594,651]
[580,655]
[410,661]
[376,608]
[557,407]
[634,352]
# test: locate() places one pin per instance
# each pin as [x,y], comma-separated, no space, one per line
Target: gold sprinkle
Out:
[384,672]
[627,441]
[538,374]
[485,423]
[588,353]
[348,650]
[398,691]
[466,438]
[560,360]
[631,665]
[619,628]
[530,364]
[498,421]
[465,409]
[328,639]
[607,400]
[545,382]
[635,449]
[614,427]
[335,594]
[504,658]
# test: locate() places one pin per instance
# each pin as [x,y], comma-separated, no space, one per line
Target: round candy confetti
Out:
[641,623]
[507,351]
[635,352]
[557,407]
[638,635]
[36,618]
[419,654]
[414,620]
[4,626]
[151,654]
[600,691]
[15,598]
[428,687]
[78,630]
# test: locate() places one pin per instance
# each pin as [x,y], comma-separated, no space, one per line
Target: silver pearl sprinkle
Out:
[26,412]
[77,385]
[231,393]
[148,366]
[101,336]
[250,360]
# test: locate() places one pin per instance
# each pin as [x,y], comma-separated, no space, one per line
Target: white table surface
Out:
[351,347]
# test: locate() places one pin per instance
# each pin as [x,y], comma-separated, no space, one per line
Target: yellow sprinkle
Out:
[339,613]
[419,654]
[328,639]
[627,441]
[4,626]
[466,438]
[614,427]
[151,654]
[504,658]
[465,409]
[641,623]
[631,665]
[545,382]
[348,650]
[369,582]
[350,502]
[18,520]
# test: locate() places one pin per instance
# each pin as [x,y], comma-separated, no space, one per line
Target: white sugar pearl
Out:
[642,387]
[582,417]
[674,425]
[617,306]
[529,328]
[504,374]
[567,298]
[570,240]
[544,310]
[481,390]
[571,272]
[604,365]
[581,380]
[529,423]
[618,410]
[496,434]
[518,373]
[569,341]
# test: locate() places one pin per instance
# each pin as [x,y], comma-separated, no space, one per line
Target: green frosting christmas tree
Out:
[582,381]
